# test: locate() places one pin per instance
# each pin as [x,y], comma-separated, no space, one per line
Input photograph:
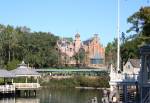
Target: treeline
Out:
[38,49]
[130,45]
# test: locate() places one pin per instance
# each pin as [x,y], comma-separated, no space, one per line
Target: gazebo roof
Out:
[6,74]
[24,70]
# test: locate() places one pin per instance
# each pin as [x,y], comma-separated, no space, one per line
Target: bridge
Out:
[66,72]
[71,70]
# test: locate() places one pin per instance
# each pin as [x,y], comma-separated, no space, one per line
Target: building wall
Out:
[92,49]
[129,69]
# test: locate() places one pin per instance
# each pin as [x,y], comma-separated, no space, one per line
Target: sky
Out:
[67,17]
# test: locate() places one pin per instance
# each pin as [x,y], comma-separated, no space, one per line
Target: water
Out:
[58,96]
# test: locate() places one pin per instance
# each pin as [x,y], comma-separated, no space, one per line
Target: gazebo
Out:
[24,71]
[6,74]
[6,88]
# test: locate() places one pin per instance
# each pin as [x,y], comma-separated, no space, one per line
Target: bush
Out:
[12,64]
[82,81]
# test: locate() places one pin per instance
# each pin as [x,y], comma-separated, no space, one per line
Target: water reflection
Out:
[20,100]
[69,95]
[58,96]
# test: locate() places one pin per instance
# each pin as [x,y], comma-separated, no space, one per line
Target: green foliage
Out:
[35,48]
[111,53]
[140,21]
[80,56]
[77,81]
[12,64]
[140,35]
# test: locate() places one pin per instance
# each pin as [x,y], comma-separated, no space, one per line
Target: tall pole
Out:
[118,36]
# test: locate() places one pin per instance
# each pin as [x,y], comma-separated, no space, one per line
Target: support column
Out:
[26,80]
[35,93]
[125,93]
[25,93]
[137,92]
[37,80]
[12,80]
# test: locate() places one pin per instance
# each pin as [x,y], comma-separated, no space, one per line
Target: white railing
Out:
[27,85]
[7,88]
[120,77]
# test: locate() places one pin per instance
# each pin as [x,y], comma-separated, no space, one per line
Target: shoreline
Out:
[86,88]
[97,88]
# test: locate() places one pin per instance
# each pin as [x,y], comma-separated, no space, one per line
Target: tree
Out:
[140,29]
[111,53]
[140,22]
[80,56]
[35,48]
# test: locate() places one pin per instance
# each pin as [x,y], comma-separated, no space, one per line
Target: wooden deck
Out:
[18,86]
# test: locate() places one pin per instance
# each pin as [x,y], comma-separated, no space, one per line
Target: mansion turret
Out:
[72,51]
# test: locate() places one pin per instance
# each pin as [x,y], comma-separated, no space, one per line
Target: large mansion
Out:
[94,52]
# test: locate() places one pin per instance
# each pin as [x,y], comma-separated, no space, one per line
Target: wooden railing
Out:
[7,88]
[26,85]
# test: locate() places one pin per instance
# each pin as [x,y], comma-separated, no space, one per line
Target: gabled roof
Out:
[24,70]
[135,62]
[6,74]
[87,41]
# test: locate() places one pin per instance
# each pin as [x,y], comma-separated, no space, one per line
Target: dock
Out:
[16,88]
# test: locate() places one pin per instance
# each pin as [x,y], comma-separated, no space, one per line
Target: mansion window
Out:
[96,61]
[128,66]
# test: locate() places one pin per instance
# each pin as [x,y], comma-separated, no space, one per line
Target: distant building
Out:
[132,66]
[93,50]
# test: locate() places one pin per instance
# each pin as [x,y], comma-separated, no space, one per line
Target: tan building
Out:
[132,66]
[93,50]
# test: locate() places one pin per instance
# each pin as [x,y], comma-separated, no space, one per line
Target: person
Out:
[114,99]
[105,96]
[108,94]
[105,92]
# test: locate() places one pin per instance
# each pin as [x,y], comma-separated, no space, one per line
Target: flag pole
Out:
[118,36]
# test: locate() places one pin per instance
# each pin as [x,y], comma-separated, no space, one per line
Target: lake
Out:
[62,95]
